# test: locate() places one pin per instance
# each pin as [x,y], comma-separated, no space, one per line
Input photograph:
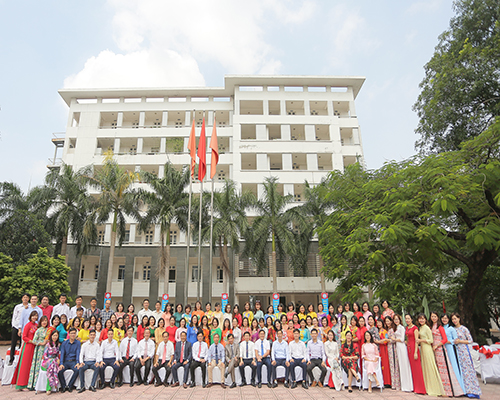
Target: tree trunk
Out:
[274,272]
[111,260]
[225,268]
[64,248]
[322,275]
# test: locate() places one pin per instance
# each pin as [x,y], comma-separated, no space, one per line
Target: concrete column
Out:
[282,106]
[156,238]
[285,132]
[107,233]
[352,109]
[116,146]
[231,118]
[307,108]
[261,132]
[262,162]
[355,136]
[161,171]
[288,189]
[164,118]
[186,142]
[140,142]
[210,119]
[128,283]
[132,233]
[329,107]
[260,190]
[310,133]
[287,162]
[142,118]
[230,150]
[265,106]
[119,119]
[163,145]
[187,121]
[312,162]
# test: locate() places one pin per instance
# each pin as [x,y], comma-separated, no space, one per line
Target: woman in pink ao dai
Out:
[370,356]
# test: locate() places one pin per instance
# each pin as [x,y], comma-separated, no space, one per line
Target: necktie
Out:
[127,356]
[145,349]
[199,349]
[216,355]
[164,359]
[262,348]
[182,352]
[247,349]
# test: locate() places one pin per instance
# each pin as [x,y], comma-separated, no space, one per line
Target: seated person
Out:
[165,353]
[182,358]
[247,357]
[144,357]
[262,354]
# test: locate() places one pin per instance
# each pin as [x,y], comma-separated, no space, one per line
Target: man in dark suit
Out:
[182,358]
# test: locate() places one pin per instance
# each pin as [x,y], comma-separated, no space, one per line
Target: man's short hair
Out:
[246,333]
[145,300]
[93,298]
[314,330]
[72,330]
[79,309]
[201,333]
[158,302]
[43,296]
[131,327]
[230,336]
[182,333]
[62,295]
[296,330]
[78,297]
[92,331]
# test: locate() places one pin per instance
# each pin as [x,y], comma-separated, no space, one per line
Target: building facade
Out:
[296,128]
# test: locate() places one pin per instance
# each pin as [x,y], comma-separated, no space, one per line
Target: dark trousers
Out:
[176,366]
[280,362]
[88,365]
[294,362]
[160,366]
[267,362]
[147,368]
[15,338]
[195,364]
[68,366]
[316,362]
[247,361]
[126,362]
[111,363]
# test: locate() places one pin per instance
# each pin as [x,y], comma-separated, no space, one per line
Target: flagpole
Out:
[199,243]
[213,165]
[211,245]
[188,239]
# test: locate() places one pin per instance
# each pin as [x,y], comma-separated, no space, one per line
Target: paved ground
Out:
[490,392]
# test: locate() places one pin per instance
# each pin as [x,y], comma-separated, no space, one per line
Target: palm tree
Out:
[12,199]
[229,223]
[115,200]
[167,203]
[272,223]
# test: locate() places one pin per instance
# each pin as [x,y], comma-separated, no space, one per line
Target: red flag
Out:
[202,153]
[215,152]
[192,149]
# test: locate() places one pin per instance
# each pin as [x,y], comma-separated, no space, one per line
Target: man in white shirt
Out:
[298,357]
[61,308]
[110,356]
[216,358]
[262,354]
[247,357]
[182,358]
[144,356]
[90,358]
[16,325]
[25,315]
[78,304]
[157,313]
[316,358]
[199,353]
[165,353]
[145,310]
[128,348]
[280,356]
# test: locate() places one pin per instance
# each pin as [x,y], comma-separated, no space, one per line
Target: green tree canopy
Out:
[461,89]
[409,227]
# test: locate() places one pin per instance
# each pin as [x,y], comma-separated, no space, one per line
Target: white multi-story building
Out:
[296,128]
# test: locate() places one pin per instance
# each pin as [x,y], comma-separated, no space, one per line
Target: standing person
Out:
[227,313]
[258,314]
[120,311]
[119,331]
[350,356]
[376,311]
[93,310]
[333,362]
[347,311]
[22,372]
[167,313]
[370,355]
[178,314]
[135,324]
[215,329]
[451,335]
[198,311]
[464,339]
[236,331]
[216,358]
[62,307]
[450,382]
[182,328]
[78,304]
[269,313]
[305,334]
[16,325]
[62,328]
[70,355]
[298,357]
[387,311]
[316,358]
[414,356]
[302,312]
[104,332]
[50,362]
[131,311]
[344,327]
[226,330]
[83,333]
[199,353]
[365,308]
[432,380]
[39,340]
[110,356]
[145,311]
[245,326]
[340,312]
[182,358]
[237,314]
[151,327]
[271,332]
[404,362]
[280,356]
[157,313]
[321,312]
[289,331]
[46,308]
[26,314]
[218,313]
[144,357]
[356,309]
[247,313]
[192,330]
[247,357]
[90,358]
[383,344]
[165,353]
[262,354]
[142,328]
[393,354]
[77,321]
[208,312]
[280,311]
[372,328]
[128,349]
[187,314]
[107,312]
[159,332]
[291,311]
[232,357]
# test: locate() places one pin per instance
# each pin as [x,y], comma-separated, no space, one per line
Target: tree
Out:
[408,228]
[167,203]
[12,199]
[21,235]
[115,200]
[272,223]
[41,274]
[460,95]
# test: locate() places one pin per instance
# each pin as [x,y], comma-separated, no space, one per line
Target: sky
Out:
[48,45]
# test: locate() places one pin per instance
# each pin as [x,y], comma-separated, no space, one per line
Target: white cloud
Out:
[424,6]
[161,42]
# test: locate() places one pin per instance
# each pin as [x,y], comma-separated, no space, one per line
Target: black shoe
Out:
[253,384]
[81,390]
[233,385]
[294,385]
[101,386]
[259,385]
[112,385]
[131,384]
[92,388]
[270,385]
[192,385]
[165,383]
[10,363]
[243,383]
[70,389]
[146,383]
[304,385]
[157,384]
[274,385]
[63,389]
[119,384]
[204,385]
[286,384]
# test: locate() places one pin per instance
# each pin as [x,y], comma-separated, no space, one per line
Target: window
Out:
[82,273]
[126,237]
[171,274]
[173,237]
[100,236]
[146,273]
[149,237]
[121,272]
[220,274]
[194,273]
[135,125]
[96,272]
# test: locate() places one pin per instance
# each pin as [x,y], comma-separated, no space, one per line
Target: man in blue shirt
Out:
[216,358]
[70,357]
[316,358]
[280,354]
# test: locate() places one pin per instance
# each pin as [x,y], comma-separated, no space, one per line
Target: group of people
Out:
[430,357]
